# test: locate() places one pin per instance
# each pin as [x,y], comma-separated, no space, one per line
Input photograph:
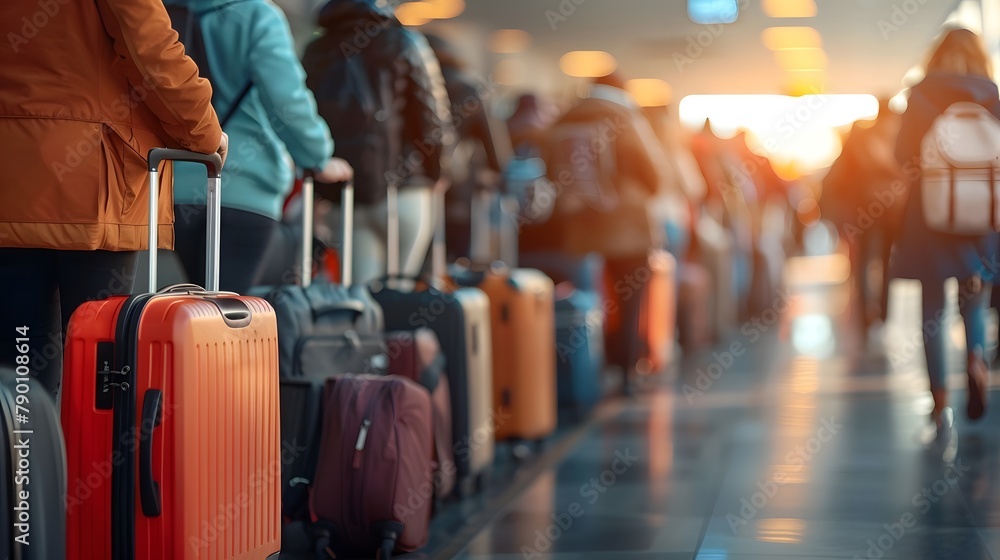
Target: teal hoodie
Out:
[250,40]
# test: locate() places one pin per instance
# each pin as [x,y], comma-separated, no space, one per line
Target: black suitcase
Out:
[461,320]
[32,472]
[324,328]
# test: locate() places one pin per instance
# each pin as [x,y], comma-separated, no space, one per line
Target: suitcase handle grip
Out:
[214,202]
[346,229]
[212,161]
[152,417]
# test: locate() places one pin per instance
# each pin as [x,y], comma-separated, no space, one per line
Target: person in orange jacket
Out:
[86,90]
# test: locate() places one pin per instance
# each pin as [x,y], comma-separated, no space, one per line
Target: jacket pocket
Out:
[127,173]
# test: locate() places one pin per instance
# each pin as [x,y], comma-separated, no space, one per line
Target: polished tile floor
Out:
[795,440]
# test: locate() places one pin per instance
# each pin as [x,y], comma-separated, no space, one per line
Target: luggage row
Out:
[207,424]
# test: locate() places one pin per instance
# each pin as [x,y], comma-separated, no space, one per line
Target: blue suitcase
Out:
[579,353]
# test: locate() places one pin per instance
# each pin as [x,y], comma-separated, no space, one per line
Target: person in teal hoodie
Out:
[259,82]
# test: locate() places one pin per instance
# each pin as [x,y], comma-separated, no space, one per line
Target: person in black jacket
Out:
[959,70]
[482,147]
[367,62]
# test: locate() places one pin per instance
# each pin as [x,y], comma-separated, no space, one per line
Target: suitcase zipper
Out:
[359,446]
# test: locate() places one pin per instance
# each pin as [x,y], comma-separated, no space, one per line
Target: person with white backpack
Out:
[949,147]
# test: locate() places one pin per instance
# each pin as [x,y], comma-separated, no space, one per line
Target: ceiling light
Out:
[419,13]
[789,8]
[509,41]
[413,13]
[587,64]
[445,9]
[706,12]
[650,92]
[777,38]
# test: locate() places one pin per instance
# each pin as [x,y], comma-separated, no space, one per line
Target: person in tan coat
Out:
[86,90]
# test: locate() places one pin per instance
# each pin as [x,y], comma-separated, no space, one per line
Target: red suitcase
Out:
[170,413]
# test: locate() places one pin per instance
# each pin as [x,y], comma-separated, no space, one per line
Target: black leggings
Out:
[41,288]
[246,241]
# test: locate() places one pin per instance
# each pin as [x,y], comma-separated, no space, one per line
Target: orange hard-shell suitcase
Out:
[522,306]
[522,309]
[170,413]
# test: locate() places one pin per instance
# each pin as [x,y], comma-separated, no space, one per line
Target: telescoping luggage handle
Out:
[346,230]
[213,162]
[438,257]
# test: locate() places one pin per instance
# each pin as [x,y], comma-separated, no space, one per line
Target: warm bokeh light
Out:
[805,82]
[790,130]
[650,92]
[899,101]
[421,12]
[913,76]
[789,8]
[413,13]
[587,64]
[509,41]
[445,9]
[777,38]
[801,59]
[509,72]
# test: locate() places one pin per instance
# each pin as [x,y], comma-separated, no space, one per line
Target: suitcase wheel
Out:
[385,552]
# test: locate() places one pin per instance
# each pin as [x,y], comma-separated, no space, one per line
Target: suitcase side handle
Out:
[152,417]
[213,162]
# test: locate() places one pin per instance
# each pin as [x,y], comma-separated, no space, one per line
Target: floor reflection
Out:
[808,445]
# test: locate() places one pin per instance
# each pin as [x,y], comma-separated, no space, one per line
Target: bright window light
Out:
[707,12]
[797,133]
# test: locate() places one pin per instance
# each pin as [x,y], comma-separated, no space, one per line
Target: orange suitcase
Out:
[170,413]
[642,313]
[522,309]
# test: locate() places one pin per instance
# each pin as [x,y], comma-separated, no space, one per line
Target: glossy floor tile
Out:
[799,441]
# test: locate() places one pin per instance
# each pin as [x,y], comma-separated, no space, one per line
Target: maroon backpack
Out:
[374,485]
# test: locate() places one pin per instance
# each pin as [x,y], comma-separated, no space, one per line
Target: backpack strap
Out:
[236,104]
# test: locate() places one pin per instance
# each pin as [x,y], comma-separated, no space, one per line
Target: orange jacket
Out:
[87,88]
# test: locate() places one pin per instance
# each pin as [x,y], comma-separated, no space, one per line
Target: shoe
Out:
[978,386]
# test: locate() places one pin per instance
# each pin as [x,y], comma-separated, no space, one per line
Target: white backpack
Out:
[960,163]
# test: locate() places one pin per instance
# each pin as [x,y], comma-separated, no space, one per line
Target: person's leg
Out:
[416,227]
[189,239]
[886,253]
[245,239]
[973,302]
[31,299]
[934,333]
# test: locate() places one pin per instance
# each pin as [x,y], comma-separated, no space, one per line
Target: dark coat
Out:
[420,118]
[921,253]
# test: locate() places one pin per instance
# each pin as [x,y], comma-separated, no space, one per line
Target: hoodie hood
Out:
[941,88]
[346,13]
